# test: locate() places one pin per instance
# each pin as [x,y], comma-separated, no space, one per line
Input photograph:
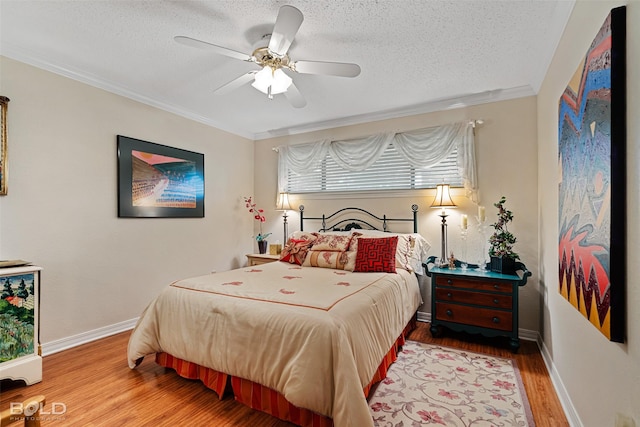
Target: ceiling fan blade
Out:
[212,47]
[341,69]
[287,24]
[294,97]
[236,83]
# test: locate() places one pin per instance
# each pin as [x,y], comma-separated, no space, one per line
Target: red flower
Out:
[258,216]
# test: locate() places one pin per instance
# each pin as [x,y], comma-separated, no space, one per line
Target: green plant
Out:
[502,240]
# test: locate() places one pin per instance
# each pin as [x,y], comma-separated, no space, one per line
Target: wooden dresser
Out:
[476,301]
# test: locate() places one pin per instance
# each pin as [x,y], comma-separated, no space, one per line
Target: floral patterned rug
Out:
[433,385]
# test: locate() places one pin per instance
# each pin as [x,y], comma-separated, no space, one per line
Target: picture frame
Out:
[158,181]
[4,105]
[592,187]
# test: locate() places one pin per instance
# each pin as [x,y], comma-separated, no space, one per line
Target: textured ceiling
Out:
[415,55]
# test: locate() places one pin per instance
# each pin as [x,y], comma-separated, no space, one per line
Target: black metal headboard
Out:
[356,223]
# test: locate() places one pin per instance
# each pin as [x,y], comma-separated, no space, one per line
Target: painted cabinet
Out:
[476,301]
[20,355]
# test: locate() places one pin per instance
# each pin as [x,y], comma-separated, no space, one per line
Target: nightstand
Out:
[20,310]
[257,259]
[476,301]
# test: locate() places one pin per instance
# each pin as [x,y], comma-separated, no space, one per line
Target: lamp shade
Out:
[262,79]
[268,77]
[283,202]
[443,197]
[281,82]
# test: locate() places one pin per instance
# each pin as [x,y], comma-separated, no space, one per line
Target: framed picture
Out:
[4,101]
[592,189]
[157,181]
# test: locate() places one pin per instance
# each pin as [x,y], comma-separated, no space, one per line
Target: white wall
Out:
[602,378]
[507,165]
[61,210]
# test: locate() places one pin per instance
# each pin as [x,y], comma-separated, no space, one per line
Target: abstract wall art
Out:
[592,187]
[159,181]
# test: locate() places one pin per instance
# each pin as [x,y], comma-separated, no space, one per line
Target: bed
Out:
[303,338]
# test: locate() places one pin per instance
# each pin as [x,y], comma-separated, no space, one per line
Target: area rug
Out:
[434,385]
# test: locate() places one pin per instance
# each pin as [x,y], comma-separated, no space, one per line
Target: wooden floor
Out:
[99,389]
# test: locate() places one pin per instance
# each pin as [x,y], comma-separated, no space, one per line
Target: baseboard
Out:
[561,391]
[86,337]
[424,317]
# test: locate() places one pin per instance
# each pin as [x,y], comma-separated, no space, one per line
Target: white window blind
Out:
[390,172]
[416,159]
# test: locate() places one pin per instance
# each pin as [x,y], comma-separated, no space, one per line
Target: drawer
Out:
[476,316]
[476,298]
[481,285]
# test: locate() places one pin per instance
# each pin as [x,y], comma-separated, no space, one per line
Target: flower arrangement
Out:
[258,215]
[502,240]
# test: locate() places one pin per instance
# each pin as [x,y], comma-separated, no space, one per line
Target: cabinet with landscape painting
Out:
[20,355]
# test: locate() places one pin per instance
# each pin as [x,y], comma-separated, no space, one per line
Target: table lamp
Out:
[283,205]
[443,201]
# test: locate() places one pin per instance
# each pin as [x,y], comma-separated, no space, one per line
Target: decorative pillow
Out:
[420,253]
[295,251]
[327,259]
[404,251]
[303,235]
[376,254]
[331,242]
[412,248]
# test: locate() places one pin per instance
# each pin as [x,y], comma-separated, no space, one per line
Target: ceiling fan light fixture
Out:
[276,79]
[281,82]
[263,80]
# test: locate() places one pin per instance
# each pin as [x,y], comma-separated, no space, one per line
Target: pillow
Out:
[295,251]
[331,242]
[376,254]
[412,248]
[329,259]
[303,235]
[420,253]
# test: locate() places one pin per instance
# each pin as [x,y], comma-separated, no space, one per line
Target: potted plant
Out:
[258,215]
[501,242]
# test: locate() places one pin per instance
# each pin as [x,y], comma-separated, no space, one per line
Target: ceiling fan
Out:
[273,59]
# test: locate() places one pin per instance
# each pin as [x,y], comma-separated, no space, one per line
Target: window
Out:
[390,172]
[397,161]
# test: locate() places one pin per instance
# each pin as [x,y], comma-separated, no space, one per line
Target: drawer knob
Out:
[449,295]
[496,320]
[496,286]
[449,313]
[496,301]
[449,281]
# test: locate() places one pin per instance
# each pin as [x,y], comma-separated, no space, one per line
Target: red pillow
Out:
[295,251]
[376,254]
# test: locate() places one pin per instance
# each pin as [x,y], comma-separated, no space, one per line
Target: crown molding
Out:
[22,55]
[428,107]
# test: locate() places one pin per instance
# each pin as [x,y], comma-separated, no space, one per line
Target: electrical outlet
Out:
[624,421]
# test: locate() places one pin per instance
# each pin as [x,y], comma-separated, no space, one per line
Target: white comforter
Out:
[315,335]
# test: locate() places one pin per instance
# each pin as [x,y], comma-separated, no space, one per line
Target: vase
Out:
[262,246]
[504,265]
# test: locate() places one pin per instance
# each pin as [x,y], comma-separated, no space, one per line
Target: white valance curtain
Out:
[421,148]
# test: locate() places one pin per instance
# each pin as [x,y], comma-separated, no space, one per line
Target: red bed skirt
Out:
[264,399]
